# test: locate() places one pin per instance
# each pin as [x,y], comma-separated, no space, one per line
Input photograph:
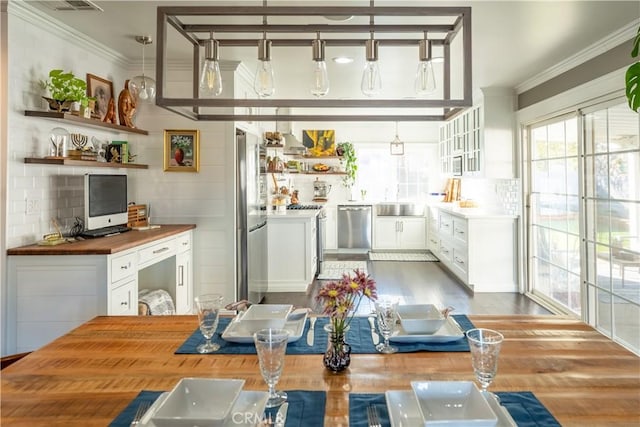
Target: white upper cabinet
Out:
[479,142]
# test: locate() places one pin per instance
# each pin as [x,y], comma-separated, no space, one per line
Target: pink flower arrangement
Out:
[341,299]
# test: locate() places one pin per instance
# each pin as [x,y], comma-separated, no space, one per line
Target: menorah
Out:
[79,140]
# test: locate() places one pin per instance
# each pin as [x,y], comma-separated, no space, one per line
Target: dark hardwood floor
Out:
[420,283]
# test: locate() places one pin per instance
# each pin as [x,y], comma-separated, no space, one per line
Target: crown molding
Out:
[624,34]
[70,35]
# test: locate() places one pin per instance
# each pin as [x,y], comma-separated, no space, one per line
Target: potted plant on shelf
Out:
[65,89]
[348,154]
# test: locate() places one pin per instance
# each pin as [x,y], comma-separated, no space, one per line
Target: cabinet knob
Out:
[124,303]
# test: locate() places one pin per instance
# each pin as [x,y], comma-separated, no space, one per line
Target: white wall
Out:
[205,198]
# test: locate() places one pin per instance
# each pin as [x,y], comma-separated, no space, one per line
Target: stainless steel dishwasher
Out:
[354,227]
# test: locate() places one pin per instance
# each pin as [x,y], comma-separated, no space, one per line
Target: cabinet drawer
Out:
[154,253]
[183,242]
[123,266]
[445,251]
[445,225]
[460,266]
[123,300]
[460,230]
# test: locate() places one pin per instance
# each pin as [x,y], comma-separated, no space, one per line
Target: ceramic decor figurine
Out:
[110,117]
[126,107]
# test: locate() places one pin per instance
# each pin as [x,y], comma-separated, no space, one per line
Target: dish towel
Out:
[524,407]
[306,408]
[155,302]
[358,337]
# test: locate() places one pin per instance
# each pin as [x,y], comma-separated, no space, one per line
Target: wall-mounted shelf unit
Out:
[86,163]
[54,115]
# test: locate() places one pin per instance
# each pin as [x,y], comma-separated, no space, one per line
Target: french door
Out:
[584,217]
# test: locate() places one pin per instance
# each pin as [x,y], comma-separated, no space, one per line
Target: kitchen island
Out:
[293,249]
[88,376]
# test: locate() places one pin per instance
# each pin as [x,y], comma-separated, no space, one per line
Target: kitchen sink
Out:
[399,209]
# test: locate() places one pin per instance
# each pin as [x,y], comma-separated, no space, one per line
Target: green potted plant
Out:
[632,77]
[65,89]
[348,154]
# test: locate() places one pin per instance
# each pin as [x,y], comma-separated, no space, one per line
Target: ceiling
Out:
[513,41]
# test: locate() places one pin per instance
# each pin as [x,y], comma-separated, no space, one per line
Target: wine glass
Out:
[485,347]
[387,314]
[208,307]
[271,345]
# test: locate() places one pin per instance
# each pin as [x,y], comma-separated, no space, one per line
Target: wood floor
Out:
[420,283]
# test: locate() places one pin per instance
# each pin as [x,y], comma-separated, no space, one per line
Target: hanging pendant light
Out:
[425,82]
[320,76]
[371,84]
[264,80]
[143,88]
[210,78]
[397,146]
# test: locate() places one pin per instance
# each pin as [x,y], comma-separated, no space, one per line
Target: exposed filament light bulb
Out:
[264,80]
[425,82]
[371,84]
[210,78]
[320,76]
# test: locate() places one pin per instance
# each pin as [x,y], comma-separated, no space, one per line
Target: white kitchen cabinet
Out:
[53,291]
[331,228]
[481,137]
[405,233]
[292,252]
[479,249]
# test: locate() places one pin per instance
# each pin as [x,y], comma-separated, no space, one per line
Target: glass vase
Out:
[337,357]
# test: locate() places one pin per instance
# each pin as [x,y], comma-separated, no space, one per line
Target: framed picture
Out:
[181,150]
[456,166]
[319,142]
[102,90]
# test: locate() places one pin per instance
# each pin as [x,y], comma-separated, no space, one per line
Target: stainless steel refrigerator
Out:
[251,220]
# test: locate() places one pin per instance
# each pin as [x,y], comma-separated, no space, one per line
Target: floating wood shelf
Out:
[86,163]
[83,121]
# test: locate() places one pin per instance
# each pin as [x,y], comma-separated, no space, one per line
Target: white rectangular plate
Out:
[250,404]
[404,411]
[453,403]
[450,331]
[234,332]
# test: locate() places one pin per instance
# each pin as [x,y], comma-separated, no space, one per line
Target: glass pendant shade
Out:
[210,77]
[264,83]
[371,84]
[143,88]
[320,76]
[425,82]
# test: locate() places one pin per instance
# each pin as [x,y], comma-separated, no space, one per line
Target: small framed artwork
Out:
[456,166]
[181,150]
[319,142]
[102,90]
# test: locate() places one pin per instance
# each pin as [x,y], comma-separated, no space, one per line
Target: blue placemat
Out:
[524,407]
[306,408]
[358,337]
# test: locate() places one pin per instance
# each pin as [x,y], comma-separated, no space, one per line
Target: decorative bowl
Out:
[452,404]
[203,402]
[421,319]
[264,316]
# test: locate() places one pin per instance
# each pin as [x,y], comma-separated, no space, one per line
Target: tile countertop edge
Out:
[471,212]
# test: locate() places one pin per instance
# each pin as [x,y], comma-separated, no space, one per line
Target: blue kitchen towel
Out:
[524,407]
[306,408]
[358,337]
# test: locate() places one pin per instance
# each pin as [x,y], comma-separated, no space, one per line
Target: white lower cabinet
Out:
[56,293]
[292,253]
[480,250]
[406,233]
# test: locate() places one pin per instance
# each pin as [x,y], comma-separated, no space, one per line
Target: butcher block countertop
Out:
[104,245]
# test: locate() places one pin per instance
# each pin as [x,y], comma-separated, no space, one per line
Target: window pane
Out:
[539,142]
[626,317]
[571,129]
[603,313]
[623,129]
[556,140]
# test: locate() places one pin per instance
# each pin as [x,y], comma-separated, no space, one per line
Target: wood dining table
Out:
[88,376]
